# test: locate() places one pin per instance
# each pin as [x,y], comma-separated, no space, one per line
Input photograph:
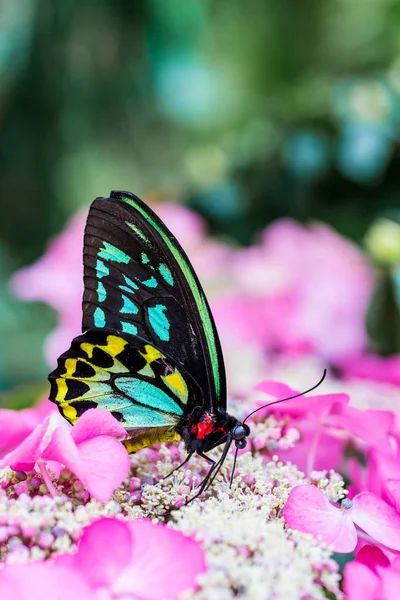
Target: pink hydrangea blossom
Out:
[114,560]
[38,580]
[374,368]
[300,289]
[381,469]
[309,510]
[312,407]
[17,425]
[372,575]
[57,280]
[90,449]
[329,416]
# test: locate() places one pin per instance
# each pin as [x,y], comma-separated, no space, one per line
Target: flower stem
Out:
[46,478]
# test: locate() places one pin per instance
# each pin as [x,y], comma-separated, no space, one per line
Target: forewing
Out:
[139,281]
[127,376]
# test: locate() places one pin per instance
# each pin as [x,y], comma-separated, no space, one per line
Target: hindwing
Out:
[127,376]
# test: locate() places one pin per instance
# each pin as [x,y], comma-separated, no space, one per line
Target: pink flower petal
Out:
[45,281]
[396,564]
[311,406]
[16,425]
[63,449]
[380,468]
[372,426]
[276,389]
[377,518]
[360,583]
[165,562]
[390,584]
[101,463]
[372,557]
[308,510]
[39,580]
[99,567]
[104,464]
[393,485]
[329,454]
[24,456]
[374,368]
[94,422]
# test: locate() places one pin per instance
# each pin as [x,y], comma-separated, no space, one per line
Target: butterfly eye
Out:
[239,433]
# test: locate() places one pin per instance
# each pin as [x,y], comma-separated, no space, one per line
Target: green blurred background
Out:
[246,112]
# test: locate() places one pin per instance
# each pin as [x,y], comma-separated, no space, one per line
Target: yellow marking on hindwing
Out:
[151,354]
[88,348]
[114,346]
[177,384]
[70,366]
[98,382]
[62,390]
[69,412]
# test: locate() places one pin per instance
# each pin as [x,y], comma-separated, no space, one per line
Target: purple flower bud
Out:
[346,503]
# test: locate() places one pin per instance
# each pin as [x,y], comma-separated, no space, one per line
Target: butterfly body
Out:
[149,352]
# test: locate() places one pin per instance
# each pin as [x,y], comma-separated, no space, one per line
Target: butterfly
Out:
[149,352]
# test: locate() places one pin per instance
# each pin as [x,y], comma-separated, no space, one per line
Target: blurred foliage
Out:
[247,112]
[383,318]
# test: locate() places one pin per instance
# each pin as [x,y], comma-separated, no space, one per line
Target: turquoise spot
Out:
[147,394]
[151,283]
[101,292]
[101,269]
[124,288]
[166,274]
[112,253]
[129,307]
[99,317]
[131,283]
[145,258]
[159,321]
[130,287]
[129,328]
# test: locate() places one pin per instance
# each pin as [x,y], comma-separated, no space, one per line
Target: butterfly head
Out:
[209,430]
[239,434]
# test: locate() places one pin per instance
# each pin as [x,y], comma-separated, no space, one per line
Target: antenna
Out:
[289,398]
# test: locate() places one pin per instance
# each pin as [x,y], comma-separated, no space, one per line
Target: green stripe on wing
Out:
[198,295]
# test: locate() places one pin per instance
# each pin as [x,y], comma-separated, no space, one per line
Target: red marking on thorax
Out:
[203,429]
[205,426]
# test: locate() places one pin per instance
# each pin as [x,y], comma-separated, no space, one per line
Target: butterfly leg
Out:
[211,475]
[202,485]
[213,464]
[189,456]
[213,471]
[207,458]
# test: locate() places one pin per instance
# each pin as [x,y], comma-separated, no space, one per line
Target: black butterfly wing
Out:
[139,281]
